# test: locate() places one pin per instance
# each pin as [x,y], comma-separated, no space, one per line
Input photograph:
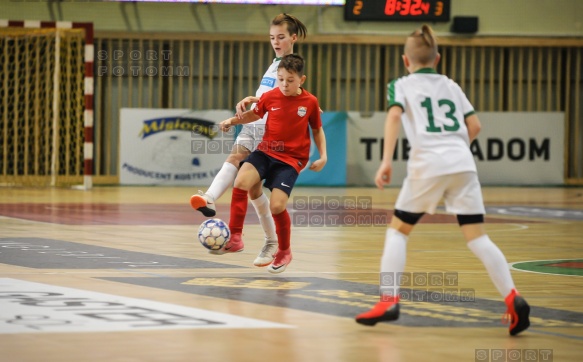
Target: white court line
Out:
[29,221]
[490,229]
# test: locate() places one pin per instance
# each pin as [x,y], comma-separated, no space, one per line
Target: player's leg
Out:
[415,198]
[495,262]
[392,267]
[282,221]
[260,202]
[465,200]
[205,201]
[280,179]
[246,178]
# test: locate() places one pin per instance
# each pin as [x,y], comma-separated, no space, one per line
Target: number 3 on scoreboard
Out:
[438,8]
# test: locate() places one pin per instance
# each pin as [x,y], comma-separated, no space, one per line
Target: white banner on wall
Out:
[172,146]
[523,148]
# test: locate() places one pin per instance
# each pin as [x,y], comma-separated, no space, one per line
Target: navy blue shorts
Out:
[277,174]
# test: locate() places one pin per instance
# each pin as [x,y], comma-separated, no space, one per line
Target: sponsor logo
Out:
[268,82]
[284,185]
[274,109]
[34,307]
[347,299]
[201,127]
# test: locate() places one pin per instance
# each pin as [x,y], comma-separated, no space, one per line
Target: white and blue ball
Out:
[213,234]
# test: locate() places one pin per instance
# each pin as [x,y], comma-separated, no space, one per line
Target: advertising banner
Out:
[172,146]
[513,148]
[334,173]
[159,147]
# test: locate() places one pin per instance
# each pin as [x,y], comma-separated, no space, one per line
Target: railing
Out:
[202,71]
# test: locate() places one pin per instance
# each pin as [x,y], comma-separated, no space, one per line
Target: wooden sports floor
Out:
[117,274]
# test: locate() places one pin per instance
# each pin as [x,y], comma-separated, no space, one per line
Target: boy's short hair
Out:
[421,46]
[293,63]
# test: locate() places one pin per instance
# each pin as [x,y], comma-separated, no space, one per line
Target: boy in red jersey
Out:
[280,157]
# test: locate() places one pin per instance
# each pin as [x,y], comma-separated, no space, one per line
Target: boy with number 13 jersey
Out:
[440,125]
[438,135]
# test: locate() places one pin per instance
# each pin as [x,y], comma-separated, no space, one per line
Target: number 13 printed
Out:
[449,114]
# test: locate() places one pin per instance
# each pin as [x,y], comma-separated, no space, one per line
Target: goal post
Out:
[46,104]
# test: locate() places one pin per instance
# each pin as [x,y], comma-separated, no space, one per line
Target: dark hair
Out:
[293,63]
[294,26]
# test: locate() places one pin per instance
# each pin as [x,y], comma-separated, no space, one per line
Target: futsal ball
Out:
[213,234]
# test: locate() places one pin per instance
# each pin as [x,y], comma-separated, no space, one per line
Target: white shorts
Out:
[461,192]
[250,136]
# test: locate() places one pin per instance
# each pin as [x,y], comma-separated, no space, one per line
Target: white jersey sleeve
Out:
[434,112]
[268,82]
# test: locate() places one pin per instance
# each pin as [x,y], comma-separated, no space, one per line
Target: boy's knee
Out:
[238,154]
[276,208]
[234,160]
[254,193]
[241,184]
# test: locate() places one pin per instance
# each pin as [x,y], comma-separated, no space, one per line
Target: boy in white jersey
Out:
[283,33]
[440,124]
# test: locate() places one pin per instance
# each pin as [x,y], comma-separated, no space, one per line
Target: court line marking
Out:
[536,272]
[28,220]
[143,273]
[490,229]
[555,334]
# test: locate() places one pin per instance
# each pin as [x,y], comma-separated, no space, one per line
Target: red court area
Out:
[176,214]
[571,264]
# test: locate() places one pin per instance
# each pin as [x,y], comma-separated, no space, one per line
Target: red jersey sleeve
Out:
[315,116]
[260,108]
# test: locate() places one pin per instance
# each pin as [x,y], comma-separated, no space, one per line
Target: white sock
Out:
[261,205]
[393,261]
[223,180]
[495,263]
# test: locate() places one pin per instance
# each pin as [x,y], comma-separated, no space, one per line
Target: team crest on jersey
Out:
[302,111]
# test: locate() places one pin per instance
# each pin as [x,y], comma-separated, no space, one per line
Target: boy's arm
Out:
[246,117]
[392,127]
[242,105]
[320,140]
[474,126]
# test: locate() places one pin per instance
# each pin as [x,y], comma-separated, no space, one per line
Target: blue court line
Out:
[580,338]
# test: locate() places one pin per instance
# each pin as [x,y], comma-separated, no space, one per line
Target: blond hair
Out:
[421,46]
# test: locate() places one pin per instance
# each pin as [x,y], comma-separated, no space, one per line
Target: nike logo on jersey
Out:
[284,185]
[275,109]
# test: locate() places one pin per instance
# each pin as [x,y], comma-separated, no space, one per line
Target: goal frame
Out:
[89,57]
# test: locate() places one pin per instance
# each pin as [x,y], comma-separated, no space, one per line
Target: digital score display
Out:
[397,10]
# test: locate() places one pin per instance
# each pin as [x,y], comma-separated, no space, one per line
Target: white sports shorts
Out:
[461,192]
[250,136]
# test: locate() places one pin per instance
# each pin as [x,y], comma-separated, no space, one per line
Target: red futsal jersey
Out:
[287,136]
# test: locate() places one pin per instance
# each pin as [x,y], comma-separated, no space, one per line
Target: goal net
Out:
[41,106]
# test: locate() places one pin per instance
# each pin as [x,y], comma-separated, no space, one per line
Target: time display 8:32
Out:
[399,10]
